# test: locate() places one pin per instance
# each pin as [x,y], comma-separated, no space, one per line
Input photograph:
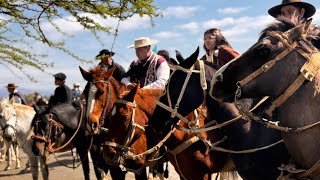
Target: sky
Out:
[180,28]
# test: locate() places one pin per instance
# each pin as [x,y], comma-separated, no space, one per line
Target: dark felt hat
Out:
[11,86]
[310,10]
[60,76]
[105,52]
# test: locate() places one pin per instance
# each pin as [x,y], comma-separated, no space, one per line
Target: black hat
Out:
[105,52]
[11,86]
[310,10]
[60,76]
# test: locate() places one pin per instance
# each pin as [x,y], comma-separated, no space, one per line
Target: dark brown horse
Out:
[285,46]
[129,134]
[101,92]
[242,134]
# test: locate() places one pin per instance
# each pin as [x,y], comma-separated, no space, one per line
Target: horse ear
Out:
[297,32]
[85,74]
[109,72]
[307,26]
[179,56]
[187,63]
[132,93]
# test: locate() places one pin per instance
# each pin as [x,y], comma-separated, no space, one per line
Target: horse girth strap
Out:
[308,71]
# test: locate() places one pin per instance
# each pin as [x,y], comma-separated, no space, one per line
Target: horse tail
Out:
[229,175]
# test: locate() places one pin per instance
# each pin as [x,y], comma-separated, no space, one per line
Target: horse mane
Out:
[283,24]
[97,72]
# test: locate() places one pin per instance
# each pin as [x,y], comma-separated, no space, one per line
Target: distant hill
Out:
[4,93]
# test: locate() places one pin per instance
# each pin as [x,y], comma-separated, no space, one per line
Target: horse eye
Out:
[263,51]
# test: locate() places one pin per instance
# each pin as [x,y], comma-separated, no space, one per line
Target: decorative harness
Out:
[58,129]
[307,72]
[126,152]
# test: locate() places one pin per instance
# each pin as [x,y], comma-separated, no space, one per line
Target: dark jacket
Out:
[225,54]
[19,96]
[118,72]
[62,94]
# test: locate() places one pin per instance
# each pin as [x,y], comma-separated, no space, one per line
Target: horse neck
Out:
[302,107]
[25,117]
[145,99]
[116,89]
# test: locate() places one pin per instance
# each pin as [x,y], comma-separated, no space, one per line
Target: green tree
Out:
[21,25]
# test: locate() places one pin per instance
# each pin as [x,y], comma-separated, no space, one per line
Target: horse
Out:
[66,128]
[129,135]
[16,119]
[186,90]
[101,92]
[285,66]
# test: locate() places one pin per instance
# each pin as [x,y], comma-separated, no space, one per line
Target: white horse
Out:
[16,121]
[10,148]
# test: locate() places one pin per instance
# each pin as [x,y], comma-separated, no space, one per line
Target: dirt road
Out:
[59,172]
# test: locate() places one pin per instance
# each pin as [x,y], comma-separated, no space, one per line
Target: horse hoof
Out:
[17,167]
[7,168]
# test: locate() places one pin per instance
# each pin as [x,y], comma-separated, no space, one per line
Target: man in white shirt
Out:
[150,69]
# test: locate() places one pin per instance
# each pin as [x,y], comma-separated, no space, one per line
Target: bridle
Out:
[173,109]
[6,126]
[91,101]
[58,131]
[307,72]
[125,147]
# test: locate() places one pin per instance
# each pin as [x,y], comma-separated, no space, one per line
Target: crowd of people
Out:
[151,69]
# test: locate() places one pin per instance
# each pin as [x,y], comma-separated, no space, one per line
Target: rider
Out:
[14,94]
[107,62]
[217,48]
[295,8]
[150,69]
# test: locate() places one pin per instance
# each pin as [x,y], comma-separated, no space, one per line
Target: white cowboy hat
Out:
[142,41]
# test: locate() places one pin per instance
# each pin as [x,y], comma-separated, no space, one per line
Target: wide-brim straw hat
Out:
[142,42]
[310,10]
[11,86]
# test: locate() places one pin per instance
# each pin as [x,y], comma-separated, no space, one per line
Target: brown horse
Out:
[101,92]
[283,52]
[129,134]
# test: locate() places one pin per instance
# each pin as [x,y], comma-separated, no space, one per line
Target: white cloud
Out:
[316,17]
[135,22]
[232,10]
[166,35]
[180,11]
[237,26]
[67,25]
[192,26]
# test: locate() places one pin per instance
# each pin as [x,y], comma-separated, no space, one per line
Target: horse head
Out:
[100,92]
[183,92]
[8,119]
[126,136]
[269,66]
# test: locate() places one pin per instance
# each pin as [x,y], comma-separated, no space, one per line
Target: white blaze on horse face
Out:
[92,92]
[114,110]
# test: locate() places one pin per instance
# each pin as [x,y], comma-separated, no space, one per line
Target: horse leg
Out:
[82,150]
[44,166]
[142,175]
[117,173]
[9,155]
[152,172]
[16,149]
[33,167]
[100,168]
